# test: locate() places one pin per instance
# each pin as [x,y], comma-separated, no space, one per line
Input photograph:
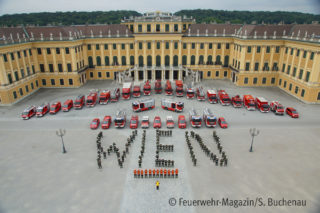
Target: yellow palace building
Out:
[162,46]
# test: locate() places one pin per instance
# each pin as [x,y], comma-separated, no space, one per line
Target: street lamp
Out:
[61,133]
[253,132]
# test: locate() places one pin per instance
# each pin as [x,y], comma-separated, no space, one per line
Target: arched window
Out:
[98,61]
[218,59]
[106,60]
[140,61]
[123,60]
[132,60]
[115,61]
[201,59]
[193,60]
[158,61]
[209,61]
[90,61]
[167,60]
[226,61]
[184,60]
[175,60]
[149,60]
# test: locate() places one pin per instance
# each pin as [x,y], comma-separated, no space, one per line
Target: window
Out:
[28,71]
[37,84]
[277,49]
[123,46]
[98,61]
[105,46]
[255,80]
[193,45]
[61,82]
[70,81]
[5,58]
[273,80]
[264,80]
[131,46]
[123,61]
[67,50]
[167,27]
[193,60]
[139,28]
[44,82]
[209,74]
[280,81]
[14,94]
[247,66]
[99,75]
[166,60]
[302,93]
[90,61]
[108,74]
[106,60]
[301,74]
[245,80]
[286,50]
[175,60]
[69,67]
[22,73]
[201,45]
[114,46]
[91,74]
[290,87]
[18,53]
[219,46]
[288,69]
[249,49]
[158,45]
[21,92]
[25,53]
[58,50]
[283,67]
[184,60]
[184,26]
[311,55]
[268,49]
[53,82]
[258,49]
[148,28]
[12,56]
[149,45]
[132,60]
[284,84]
[225,73]
[217,73]
[298,52]
[227,46]
[275,66]
[175,45]
[266,66]
[294,72]
[210,46]
[48,51]
[167,45]
[115,60]
[256,66]
[304,54]
[10,78]
[60,67]
[307,76]
[32,87]
[158,27]
[176,27]
[296,90]
[41,67]
[50,67]
[140,45]
[184,46]
[33,70]
[158,60]
[39,51]
[89,46]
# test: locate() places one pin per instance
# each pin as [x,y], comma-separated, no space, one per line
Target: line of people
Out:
[192,155]
[155,173]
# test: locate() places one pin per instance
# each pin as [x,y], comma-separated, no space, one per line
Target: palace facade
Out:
[160,46]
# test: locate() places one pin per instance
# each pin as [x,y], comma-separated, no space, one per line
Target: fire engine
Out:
[200,94]
[195,119]
[28,112]
[172,105]
[277,108]
[42,109]
[115,95]
[170,122]
[168,89]
[92,99]
[67,105]
[145,122]
[157,87]
[136,91]
[79,102]
[143,105]
[55,107]
[190,92]
[212,96]
[126,90]
[262,104]
[248,102]
[147,88]
[236,101]
[104,97]
[224,98]
[208,118]
[120,119]
[179,88]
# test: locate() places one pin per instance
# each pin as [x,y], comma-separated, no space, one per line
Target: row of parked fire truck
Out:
[195,119]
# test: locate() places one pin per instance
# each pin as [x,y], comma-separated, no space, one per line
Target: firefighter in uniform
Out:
[157,185]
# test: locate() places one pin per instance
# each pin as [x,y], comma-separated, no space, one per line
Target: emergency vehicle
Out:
[179,88]
[104,97]
[120,119]
[195,119]
[92,99]
[190,92]
[79,102]
[182,124]
[136,91]
[42,109]
[262,104]
[224,98]
[277,108]
[134,122]
[170,122]
[143,105]
[157,122]
[208,118]
[55,107]
[172,105]
[292,112]
[248,102]
[212,96]
[145,122]
[236,101]
[105,124]
[67,105]
[28,112]
[126,90]
[200,94]
[95,123]
[147,88]
[222,122]
[115,95]
[158,87]
[168,88]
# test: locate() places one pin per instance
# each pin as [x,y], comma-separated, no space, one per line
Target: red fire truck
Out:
[67,105]
[248,102]
[236,101]
[28,112]
[179,88]
[190,92]
[195,119]
[43,109]
[79,102]
[224,98]
[136,91]
[126,90]
[212,96]
[277,108]
[104,97]
[172,105]
[208,118]
[115,95]
[262,104]
[92,99]
[120,119]
[147,88]
[200,94]
[143,105]
[168,89]
[158,87]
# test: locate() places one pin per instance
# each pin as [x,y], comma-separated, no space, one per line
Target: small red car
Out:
[67,105]
[95,123]
[157,122]
[182,124]
[145,122]
[105,124]
[55,107]
[222,122]
[134,122]
[292,112]
[170,122]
